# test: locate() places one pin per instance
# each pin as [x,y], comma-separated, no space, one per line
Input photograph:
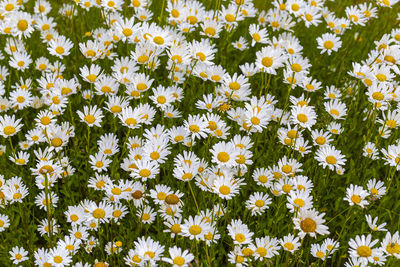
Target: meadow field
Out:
[199,133]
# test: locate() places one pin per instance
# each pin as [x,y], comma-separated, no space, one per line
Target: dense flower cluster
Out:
[140,143]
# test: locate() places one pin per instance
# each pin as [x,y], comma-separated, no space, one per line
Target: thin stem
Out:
[194,198]
[48,209]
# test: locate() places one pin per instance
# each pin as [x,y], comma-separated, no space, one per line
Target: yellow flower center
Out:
[161,99]
[308,225]
[267,62]
[20,161]
[328,44]
[381,77]
[22,25]
[144,173]
[393,248]
[289,246]
[223,156]
[127,32]
[320,140]
[194,128]
[299,202]
[9,130]
[225,190]
[194,230]
[172,199]
[234,86]
[230,18]
[116,191]
[240,238]
[263,179]
[356,199]
[179,261]
[286,169]
[99,213]
[191,19]
[201,56]
[17,196]
[131,121]
[260,203]
[255,120]
[89,119]
[364,251]
[91,78]
[334,112]
[296,67]
[187,176]
[292,134]
[331,160]
[256,37]
[116,109]
[210,31]
[56,142]
[60,50]
[302,118]
[9,7]
[158,40]
[287,188]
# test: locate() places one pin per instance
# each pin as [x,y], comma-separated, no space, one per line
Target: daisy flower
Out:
[336,109]
[262,177]
[4,222]
[20,60]
[310,222]
[22,24]
[60,257]
[258,203]
[226,187]
[90,74]
[290,243]
[319,251]
[145,169]
[329,156]
[270,59]
[258,35]
[60,46]
[239,232]
[194,228]
[21,158]
[18,255]
[196,126]
[376,188]
[20,98]
[370,151]
[91,115]
[391,244]
[372,223]
[99,162]
[304,116]
[146,215]
[179,257]
[356,195]
[298,200]
[224,154]
[100,213]
[362,248]
[329,42]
